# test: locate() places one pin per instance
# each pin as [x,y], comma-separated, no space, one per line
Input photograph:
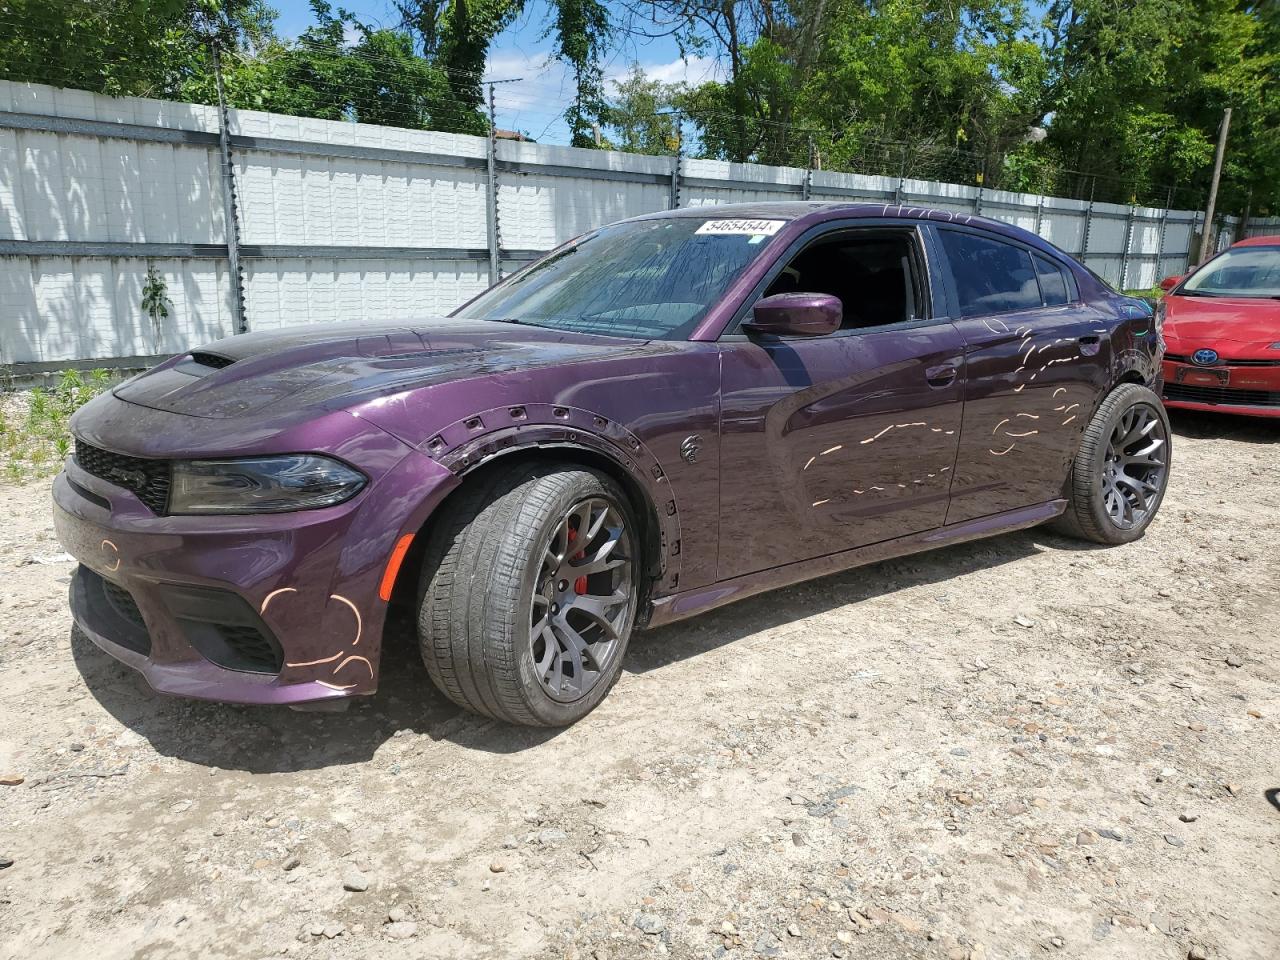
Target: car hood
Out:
[333,366]
[1245,327]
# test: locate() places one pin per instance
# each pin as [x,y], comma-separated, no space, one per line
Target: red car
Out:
[1222,332]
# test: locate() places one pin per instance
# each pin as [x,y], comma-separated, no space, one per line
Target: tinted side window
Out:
[1053,282]
[990,276]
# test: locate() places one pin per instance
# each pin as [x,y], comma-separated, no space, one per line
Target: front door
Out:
[1035,358]
[835,442]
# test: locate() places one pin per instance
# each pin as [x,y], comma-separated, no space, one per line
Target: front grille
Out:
[1221,395]
[1222,361]
[223,628]
[148,480]
[255,653]
[108,610]
[122,602]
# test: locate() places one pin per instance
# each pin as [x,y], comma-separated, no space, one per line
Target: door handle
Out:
[1090,344]
[943,375]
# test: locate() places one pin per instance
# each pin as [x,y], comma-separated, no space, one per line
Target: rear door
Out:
[834,442]
[1035,360]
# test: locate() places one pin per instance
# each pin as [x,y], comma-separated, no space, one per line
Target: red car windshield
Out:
[645,279]
[1240,272]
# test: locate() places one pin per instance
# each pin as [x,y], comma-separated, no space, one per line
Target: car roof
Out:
[1273,241]
[816,211]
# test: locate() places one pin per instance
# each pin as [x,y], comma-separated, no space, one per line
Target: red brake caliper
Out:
[580,584]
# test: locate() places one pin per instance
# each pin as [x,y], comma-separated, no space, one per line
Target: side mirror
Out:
[796,315]
[1168,283]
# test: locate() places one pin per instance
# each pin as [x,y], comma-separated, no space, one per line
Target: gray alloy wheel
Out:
[529,593]
[1133,475]
[1120,473]
[582,599]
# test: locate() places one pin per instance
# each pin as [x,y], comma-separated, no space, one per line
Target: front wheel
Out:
[1120,472]
[529,593]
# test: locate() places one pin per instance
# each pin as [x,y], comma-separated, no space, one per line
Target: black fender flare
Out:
[477,440]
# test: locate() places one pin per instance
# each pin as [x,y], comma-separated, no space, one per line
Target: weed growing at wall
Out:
[34,439]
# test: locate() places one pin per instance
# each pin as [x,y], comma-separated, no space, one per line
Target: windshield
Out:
[1243,272]
[646,279]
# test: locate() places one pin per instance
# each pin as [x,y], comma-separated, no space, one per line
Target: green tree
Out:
[155,303]
[376,79]
[146,48]
[1137,91]
[457,35]
[640,115]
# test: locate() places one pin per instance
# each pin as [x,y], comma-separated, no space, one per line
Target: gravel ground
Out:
[1015,748]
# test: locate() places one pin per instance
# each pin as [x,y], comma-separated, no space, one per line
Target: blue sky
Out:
[534,105]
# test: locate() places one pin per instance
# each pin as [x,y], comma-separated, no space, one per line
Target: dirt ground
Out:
[1010,749]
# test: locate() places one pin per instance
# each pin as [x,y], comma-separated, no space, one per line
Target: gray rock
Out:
[767,946]
[332,930]
[1188,817]
[1108,833]
[397,915]
[400,930]
[6,863]
[1232,661]
[650,924]
[355,882]
[1172,840]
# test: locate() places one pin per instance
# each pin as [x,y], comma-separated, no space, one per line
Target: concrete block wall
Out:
[345,221]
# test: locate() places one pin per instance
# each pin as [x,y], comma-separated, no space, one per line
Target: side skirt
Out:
[677,606]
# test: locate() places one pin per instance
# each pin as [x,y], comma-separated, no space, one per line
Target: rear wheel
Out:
[529,594]
[1121,470]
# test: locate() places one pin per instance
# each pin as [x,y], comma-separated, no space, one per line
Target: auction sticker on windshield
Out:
[741,228]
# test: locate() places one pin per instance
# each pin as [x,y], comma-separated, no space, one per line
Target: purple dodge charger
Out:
[662,416]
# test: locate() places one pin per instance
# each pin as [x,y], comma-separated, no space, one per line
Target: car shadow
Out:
[1204,425]
[280,740]
[661,646]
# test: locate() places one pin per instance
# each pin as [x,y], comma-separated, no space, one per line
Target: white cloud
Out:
[693,71]
[537,101]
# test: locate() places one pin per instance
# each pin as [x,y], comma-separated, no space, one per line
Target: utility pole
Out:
[494,233]
[231,225]
[1213,185]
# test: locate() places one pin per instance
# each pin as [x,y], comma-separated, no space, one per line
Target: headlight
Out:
[261,484]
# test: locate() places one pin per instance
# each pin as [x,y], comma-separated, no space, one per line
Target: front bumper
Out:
[270,609]
[1248,390]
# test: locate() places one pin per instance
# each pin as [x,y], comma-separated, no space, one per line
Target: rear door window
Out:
[1053,282]
[990,276]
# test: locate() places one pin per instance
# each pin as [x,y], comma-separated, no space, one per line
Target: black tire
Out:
[480,574]
[1087,516]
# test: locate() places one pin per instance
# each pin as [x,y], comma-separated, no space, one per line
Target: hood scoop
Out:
[213,360]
